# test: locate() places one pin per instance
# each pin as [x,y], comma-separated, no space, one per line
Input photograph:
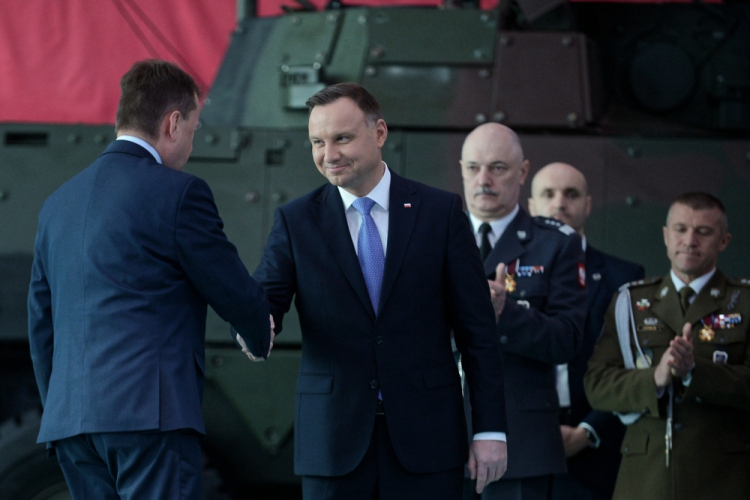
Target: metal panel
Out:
[431,96]
[543,80]
[426,36]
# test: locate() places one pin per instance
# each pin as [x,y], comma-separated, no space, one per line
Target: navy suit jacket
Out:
[597,468]
[433,283]
[127,255]
[534,339]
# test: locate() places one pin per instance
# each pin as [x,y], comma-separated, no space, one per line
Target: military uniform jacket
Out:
[540,327]
[710,455]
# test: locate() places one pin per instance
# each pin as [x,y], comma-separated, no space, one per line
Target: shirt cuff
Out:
[490,436]
[591,434]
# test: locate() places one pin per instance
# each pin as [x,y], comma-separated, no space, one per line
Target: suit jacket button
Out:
[678,426]
[379,339]
[374,384]
[503,340]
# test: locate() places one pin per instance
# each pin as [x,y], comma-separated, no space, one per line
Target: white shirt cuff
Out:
[594,440]
[490,436]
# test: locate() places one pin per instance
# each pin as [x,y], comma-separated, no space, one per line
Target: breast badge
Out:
[643,304]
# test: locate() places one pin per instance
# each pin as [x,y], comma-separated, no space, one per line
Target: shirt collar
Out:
[380,194]
[148,147]
[697,284]
[498,226]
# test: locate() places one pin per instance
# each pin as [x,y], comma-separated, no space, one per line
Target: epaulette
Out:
[555,224]
[638,283]
[739,281]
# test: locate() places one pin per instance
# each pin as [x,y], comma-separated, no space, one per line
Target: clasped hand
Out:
[250,356]
[677,360]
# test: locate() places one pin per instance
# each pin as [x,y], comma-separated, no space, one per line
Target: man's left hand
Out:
[488,461]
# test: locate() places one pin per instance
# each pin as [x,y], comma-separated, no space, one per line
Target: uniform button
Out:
[374,384]
[645,342]
[379,339]
[722,340]
[523,293]
[626,449]
[503,340]
[678,400]
[678,426]
[698,400]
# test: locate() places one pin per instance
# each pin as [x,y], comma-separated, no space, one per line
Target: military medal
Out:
[643,304]
[510,281]
[707,333]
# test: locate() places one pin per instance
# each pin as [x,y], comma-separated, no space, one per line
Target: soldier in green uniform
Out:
[674,363]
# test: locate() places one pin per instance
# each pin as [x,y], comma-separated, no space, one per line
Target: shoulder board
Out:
[554,224]
[739,281]
[636,284]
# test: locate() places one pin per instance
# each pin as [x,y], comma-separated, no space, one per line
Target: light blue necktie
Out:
[370,250]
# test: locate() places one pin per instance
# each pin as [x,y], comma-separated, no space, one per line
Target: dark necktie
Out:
[370,250]
[685,294]
[484,247]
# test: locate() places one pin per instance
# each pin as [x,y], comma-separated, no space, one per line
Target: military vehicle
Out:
[649,101]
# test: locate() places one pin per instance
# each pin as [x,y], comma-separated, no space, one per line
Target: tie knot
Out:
[484,228]
[685,293]
[363,205]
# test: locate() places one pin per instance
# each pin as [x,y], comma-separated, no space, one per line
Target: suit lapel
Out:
[328,211]
[705,304]
[509,247]
[402,215]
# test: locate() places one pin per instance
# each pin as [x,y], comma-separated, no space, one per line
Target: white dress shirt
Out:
[142,143]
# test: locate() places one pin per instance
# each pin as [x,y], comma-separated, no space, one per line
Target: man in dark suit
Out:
[536,272]
[592,438]
[127,255]
[382,269]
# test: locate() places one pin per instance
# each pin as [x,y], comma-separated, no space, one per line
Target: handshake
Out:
[245,349]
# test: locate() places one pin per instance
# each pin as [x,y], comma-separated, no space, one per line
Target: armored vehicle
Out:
[649,101]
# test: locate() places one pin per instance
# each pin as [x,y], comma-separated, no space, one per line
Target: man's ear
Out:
[169,124]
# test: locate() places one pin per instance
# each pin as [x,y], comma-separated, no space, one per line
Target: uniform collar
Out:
[498,226]
[697,284]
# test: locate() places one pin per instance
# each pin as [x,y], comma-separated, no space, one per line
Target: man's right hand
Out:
[250,356]
[498,291]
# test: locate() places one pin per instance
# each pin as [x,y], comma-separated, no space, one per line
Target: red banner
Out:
[61,61]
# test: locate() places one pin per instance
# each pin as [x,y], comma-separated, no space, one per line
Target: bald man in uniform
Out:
[592,438]
[535,270]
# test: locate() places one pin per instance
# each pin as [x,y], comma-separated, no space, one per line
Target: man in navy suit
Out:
[128,253]
[592,438]
[536,272]
[381,270]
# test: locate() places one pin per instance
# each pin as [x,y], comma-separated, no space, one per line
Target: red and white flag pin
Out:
[407,205]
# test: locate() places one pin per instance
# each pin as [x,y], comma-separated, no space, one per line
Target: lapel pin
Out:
[714,292]
[596,276]
[664,292]
[407,205]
